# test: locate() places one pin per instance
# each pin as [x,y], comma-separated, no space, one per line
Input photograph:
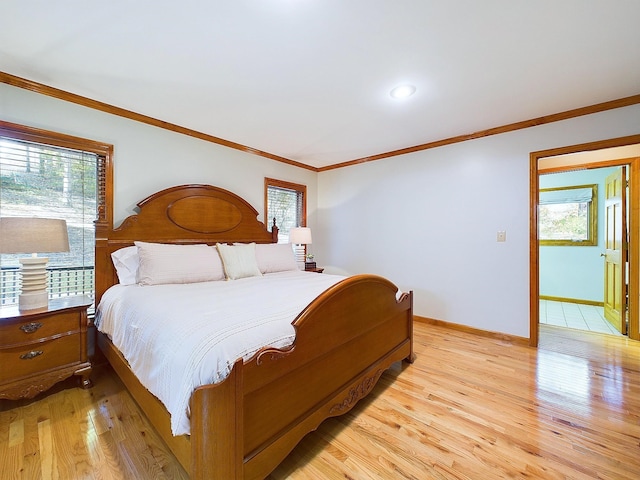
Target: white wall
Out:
[428,220]
[148,159]
[575,272]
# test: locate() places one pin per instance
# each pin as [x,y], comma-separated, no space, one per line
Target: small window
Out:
[568,216]
[52,175]
[286,203]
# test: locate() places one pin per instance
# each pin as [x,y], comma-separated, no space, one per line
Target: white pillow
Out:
[126,262]
[239,260]
[166,263]
[275,257]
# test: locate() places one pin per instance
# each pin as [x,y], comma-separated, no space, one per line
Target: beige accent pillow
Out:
[166,263]
[239,260]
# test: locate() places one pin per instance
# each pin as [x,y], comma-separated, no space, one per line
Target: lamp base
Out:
[32,301]
[34,283]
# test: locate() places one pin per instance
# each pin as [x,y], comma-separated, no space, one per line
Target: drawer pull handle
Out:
[30,327]
[31,354]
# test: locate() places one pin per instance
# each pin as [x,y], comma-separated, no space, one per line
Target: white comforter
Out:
[178,337]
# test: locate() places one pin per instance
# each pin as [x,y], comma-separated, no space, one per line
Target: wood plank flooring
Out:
[470,407]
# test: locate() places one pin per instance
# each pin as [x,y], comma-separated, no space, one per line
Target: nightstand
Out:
[41,347]
[316,269]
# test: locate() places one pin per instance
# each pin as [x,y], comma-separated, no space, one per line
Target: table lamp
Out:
[302,236]
[33,235]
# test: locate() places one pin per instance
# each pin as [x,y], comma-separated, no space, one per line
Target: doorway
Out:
[575,208]
[606,153]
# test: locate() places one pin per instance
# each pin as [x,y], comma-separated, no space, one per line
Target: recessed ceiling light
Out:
[403,91]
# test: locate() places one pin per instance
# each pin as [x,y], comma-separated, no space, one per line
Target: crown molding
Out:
[138,117]
[556,117]
[42,89]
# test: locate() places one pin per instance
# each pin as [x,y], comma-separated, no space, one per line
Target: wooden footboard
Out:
[243,427]
[345,340]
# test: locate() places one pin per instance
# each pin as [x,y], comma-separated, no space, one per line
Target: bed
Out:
[243,426]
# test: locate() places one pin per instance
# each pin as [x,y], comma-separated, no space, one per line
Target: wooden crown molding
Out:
[36,87]
[138,117]
[556,117]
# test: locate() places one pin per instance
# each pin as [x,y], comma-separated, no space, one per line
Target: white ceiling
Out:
[309,80]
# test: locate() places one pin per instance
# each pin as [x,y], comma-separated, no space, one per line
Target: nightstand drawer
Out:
[39,327]
[38,357]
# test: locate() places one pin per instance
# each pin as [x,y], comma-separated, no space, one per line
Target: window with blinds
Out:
[49,181]
[568,216]
[286,202]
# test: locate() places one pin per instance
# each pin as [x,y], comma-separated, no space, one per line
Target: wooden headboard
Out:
[185,214]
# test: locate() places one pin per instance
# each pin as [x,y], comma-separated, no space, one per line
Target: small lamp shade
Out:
[300,235]
[33,235]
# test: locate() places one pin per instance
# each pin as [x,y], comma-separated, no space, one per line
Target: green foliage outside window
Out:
[566,221]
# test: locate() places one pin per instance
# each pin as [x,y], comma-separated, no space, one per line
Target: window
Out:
[568,216]
[287,203]
[43,174]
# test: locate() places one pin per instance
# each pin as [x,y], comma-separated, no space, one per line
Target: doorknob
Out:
[603,254]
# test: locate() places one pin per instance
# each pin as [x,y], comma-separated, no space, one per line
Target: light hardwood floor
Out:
[470,407]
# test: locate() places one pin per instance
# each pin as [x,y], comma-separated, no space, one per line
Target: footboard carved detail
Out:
[273,354]
[356,393]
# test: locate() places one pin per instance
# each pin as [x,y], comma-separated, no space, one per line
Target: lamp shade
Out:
[300,235]
[33,235]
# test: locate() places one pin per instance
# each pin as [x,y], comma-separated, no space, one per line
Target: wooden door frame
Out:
[633,226]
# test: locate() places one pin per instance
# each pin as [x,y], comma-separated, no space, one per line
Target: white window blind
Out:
[39,180]
[566,195]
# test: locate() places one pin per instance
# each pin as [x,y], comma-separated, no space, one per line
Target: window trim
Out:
[592,232]
[272,182]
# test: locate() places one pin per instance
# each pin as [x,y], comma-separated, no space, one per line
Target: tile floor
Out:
[575,315]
